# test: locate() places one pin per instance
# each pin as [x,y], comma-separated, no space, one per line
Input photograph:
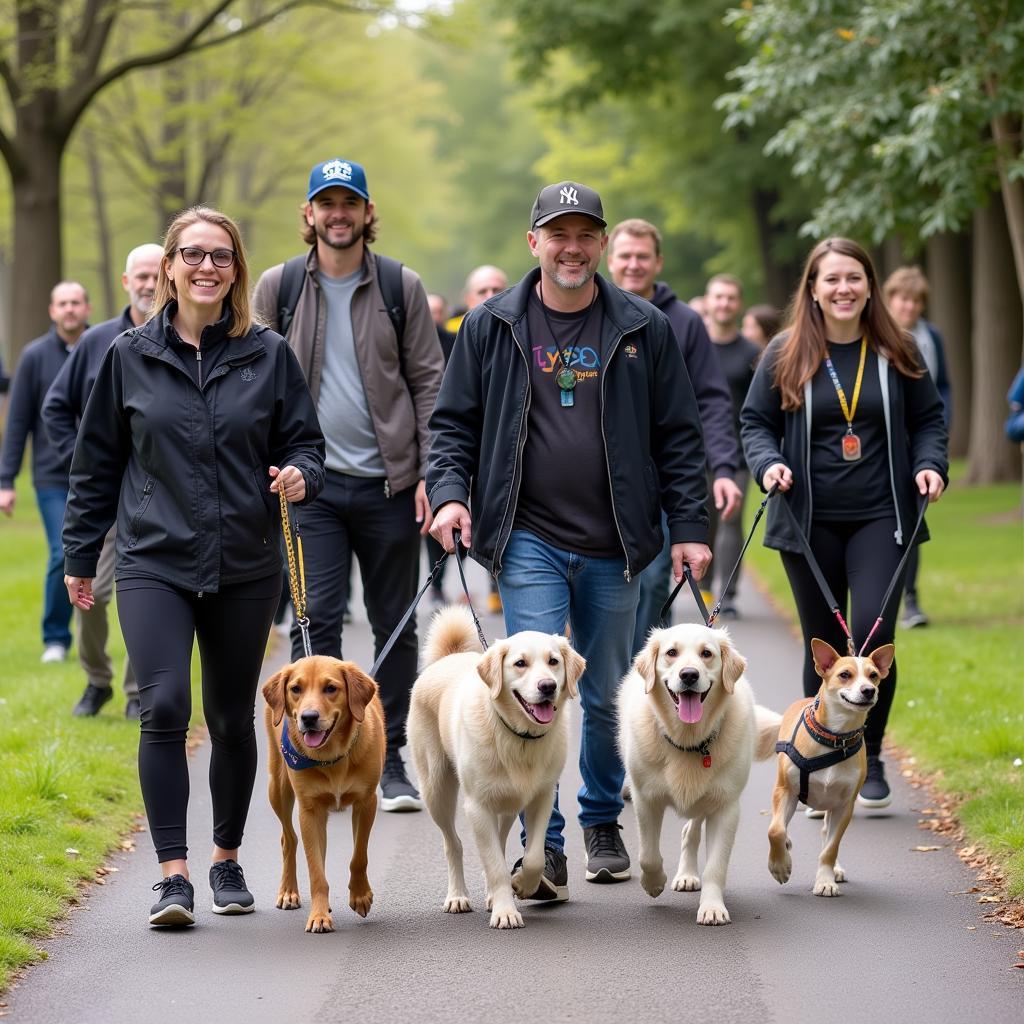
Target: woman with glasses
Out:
[196,421]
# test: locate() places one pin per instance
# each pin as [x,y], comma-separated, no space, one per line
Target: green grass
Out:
[960,704]
[70,787]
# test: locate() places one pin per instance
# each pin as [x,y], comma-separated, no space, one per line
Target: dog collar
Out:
[521,735]
[827,738]
[298,761]
[704,747]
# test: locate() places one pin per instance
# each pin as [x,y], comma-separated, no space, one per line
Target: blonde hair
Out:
[237,298]
[908,281]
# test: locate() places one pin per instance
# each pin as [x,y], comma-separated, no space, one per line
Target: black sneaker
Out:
[397,792]
[554,883]
[133,709]
[875,791]
[607,860]
[230,896]
[913,617]
[176,904]
[92,699]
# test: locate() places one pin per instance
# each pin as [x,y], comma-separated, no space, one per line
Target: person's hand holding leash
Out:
[291,479]
[7,499]
[80,592]
[779,474]
[697,556]
[423,514]
[929,482]
[452,516]
[727,496]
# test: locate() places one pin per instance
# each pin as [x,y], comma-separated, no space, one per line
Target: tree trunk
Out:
[103,240]
[780,276]
[948,259]
[1006,132]
[996,346]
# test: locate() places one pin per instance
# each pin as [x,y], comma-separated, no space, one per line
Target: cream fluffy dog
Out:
[688,731]
[496,725]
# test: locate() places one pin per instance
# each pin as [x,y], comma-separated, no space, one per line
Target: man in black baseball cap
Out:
[567,422]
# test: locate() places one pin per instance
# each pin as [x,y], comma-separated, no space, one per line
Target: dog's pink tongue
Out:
[690,708]
[313,739]
[543,712]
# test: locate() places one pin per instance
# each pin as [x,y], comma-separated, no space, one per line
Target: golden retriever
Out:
[688,731]
[496,725]
[328,754]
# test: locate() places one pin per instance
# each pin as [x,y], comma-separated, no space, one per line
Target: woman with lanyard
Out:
[842,416]
[196,421]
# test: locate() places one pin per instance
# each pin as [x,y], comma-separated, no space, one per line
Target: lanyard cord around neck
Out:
[564,355]
[849,411]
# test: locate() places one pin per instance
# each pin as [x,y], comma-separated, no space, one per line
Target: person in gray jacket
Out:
[374,366]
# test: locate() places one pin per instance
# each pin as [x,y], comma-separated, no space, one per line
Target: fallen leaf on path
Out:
[989,899]
[924,849]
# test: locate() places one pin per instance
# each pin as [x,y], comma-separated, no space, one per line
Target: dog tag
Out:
[707,760]
[851,447]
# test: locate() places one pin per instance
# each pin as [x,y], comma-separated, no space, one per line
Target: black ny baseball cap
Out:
[566,197]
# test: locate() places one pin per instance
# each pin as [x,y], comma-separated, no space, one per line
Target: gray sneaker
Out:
[230,893]
[913,617]
[554,883]
[607,860]
[397,792]
[176,903]
[875,792]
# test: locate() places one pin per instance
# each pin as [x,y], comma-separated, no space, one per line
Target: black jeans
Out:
[858,560]
[160,623]
[354,516]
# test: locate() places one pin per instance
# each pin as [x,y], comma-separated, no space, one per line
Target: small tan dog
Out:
[821,757]
[494,724]
[688,731]
[328,754]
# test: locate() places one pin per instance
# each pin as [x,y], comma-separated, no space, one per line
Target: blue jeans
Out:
[542,588]
[57,608]
[655,586]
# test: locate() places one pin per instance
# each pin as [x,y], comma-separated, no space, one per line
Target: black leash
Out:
[709,620]
[434,576]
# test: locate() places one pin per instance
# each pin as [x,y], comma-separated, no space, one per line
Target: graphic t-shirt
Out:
[565,494]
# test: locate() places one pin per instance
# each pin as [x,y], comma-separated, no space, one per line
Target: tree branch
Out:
[13,88]
[10,155]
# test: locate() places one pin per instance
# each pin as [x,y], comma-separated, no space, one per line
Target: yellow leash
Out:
[296,571]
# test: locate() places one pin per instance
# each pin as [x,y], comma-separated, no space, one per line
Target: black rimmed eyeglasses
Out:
[193,256]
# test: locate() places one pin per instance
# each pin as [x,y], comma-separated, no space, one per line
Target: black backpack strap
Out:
[389,277]
[293,277]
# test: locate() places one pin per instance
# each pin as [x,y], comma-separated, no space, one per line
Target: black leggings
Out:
[159,623]
[858,560]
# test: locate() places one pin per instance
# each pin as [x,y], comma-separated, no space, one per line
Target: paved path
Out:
[897,946]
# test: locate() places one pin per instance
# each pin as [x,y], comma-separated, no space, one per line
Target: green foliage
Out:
[959,704]
[887,105]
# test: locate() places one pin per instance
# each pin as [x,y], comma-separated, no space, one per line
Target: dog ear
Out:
[274,691]
[574,665]
[825,656]
[883,657]
[733,663]
[646,662]
[490,667]
[361,689]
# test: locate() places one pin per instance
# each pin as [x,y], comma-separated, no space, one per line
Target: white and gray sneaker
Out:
[397,792]
[230,894]
[176,904]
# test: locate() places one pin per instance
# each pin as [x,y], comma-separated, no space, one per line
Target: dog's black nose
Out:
[309,718]
[867,691]
[547,688]
[689,676]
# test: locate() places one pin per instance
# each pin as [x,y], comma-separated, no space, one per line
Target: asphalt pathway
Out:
[904,942]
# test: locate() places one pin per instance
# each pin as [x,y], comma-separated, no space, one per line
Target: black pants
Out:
[353,516]
[159,623]
[858,560]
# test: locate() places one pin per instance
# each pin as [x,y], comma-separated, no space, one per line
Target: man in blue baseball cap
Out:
[361,328]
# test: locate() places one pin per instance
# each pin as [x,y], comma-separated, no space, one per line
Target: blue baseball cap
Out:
[344,173]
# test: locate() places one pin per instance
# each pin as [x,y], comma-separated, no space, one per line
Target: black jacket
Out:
[183,468]
[39,364]
[914,425]
[652,438]
[66,398]
[714,401]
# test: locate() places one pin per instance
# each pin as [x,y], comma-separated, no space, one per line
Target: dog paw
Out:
[457,905]
[288,899]
[840,874]
[318,923]
[361,902]
[525,885]
[653,882]
[506,918]
[712,913]
[686,883]
[781,869]
[826,888]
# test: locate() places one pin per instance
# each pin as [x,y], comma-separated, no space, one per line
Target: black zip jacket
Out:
[183,466]
[653,446]
[65,401]
[914,425]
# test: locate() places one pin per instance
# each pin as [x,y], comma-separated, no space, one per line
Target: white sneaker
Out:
[54,653]
[813,812]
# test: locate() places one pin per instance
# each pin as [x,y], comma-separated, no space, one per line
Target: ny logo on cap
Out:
[337,169]
[568,195]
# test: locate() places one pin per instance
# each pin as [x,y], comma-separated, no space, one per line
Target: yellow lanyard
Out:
[849,411]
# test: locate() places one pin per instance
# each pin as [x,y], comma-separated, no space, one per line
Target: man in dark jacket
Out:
[567,422]
[40,363]
[373,391]
[634,261]
[62,412]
